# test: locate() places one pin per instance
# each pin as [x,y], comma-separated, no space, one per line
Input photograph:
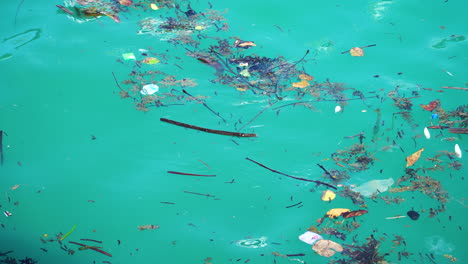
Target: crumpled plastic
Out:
[327,248]
[310,237]
[369,188]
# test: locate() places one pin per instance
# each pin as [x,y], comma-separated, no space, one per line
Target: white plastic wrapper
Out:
[458,151]
[310,237]
[426,133]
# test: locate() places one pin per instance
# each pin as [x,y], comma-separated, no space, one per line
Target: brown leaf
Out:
[411,159]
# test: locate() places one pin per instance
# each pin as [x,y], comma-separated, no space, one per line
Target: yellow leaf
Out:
[150,60]
[328,195]
[305,76]
[154,7]
[301,84]
[334,213]
[356,52]
[411,159]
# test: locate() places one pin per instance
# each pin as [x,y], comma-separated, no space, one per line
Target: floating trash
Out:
[149,89]
[458,151]
[413,215]
[327,248]
[128,56]
[369,188]
[11,44]
[426,133]
[438,245]
[310,237]
[337,109]
[253,242]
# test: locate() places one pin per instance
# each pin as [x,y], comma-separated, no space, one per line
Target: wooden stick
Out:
[93,248]
[290,176]
[201,194]
[190,174]
[207,130]
[455,88]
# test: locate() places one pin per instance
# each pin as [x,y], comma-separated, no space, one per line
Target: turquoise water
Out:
[84,156]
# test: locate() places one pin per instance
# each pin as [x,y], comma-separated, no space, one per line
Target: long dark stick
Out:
[202,194]
[259,113]
[204,104]
[90,247]
[326,172]
[190,174]
[207,130]
[290,176]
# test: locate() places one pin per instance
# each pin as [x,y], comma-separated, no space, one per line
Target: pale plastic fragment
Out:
[149,89]
[337,109]
[458,151]
[369,188]
[426,133]
[310,237]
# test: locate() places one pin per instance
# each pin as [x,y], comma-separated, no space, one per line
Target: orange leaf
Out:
[431,106]
[411,159]
[301,84]
[356,52]
[305,76]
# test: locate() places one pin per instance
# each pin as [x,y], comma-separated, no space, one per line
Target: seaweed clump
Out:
[367,253]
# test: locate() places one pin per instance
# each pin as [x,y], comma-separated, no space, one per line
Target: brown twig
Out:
[190,174]
[290,176]
[207,130]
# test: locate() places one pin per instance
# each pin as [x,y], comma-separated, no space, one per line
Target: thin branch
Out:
[290,176]
[207,130]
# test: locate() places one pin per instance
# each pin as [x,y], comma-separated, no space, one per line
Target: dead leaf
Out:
[356,52]
[431,106]
[301,84]
[354,213]
[334,213]
[15,187]
[305,76]
[411,159]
